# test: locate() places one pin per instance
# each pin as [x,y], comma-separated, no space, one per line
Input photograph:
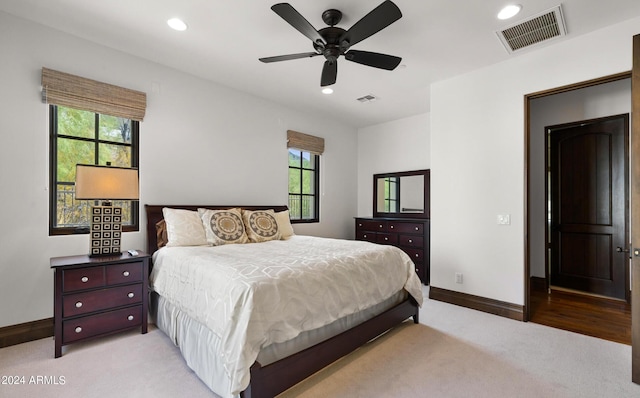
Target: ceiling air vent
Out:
[368,98]
[539,28]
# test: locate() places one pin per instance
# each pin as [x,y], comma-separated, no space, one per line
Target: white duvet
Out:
[255,294]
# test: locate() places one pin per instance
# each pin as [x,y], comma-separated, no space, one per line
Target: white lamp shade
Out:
[95,182]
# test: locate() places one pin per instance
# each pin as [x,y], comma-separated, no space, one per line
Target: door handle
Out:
[621,250]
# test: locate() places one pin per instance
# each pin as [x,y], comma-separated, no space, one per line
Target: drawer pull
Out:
[79,304]
[130,295]
[84,279]
[417,228]
[360,224]
[365,235]
[380,225]
[130,317]
[417,255]
[391,227]
[410,240]
[125,273]
[385,238]
[78,329]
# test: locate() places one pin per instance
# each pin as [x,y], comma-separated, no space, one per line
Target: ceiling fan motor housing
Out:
[333,48]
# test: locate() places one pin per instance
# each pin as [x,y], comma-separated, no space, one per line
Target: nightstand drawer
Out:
[82,303]
[124,273]
[93,325]
[411,240]
[84,278]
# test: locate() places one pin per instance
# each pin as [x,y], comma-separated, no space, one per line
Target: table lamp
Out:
[106,183]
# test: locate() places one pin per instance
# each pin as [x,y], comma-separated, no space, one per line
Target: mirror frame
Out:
[427,182]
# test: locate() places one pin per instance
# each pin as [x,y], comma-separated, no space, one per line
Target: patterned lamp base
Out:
[106,230]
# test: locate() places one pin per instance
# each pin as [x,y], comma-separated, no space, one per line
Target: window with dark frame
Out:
[304,186]
[85,137]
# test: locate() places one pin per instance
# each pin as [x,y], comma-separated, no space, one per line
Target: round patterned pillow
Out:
[261,225]
[223,226]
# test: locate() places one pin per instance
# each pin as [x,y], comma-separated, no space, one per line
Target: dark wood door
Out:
[635,213]
[589,210]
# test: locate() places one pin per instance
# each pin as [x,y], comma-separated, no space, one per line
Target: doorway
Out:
[588,189]
[561,106]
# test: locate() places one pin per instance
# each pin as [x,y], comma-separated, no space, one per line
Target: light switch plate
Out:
[504,219]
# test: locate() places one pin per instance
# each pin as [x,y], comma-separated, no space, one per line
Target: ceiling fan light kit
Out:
[332,41]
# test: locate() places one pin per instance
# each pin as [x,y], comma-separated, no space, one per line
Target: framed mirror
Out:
[403,194]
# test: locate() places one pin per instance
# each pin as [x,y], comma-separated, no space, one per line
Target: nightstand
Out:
[96,296]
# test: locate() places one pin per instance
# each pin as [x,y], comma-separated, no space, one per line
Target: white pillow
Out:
[284,224]
[184,228]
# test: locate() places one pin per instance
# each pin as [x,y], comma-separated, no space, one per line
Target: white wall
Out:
[200,143]
[477,158]
[400,145]
[587,103]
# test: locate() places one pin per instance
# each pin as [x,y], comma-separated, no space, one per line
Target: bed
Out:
[273,354]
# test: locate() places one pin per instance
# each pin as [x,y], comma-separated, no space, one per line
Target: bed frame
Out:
[270,380]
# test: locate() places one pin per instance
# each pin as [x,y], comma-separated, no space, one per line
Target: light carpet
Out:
[454,352]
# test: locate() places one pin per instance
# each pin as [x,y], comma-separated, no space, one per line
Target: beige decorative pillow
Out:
[184,228]
[223,226]
[261,225]
[284,224]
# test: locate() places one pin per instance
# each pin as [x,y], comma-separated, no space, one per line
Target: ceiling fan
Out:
[332,41]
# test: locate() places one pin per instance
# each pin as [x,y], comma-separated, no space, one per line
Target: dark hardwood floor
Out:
[604,318]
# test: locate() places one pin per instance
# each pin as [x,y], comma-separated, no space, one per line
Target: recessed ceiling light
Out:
[509,11]
[177,24]
[327,90]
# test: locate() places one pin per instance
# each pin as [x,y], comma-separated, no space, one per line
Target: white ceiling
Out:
[436,39]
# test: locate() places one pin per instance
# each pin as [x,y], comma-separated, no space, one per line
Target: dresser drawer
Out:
[366,235]
[420,270]
[93,325]
[387,239]
[411,240]
[124,273]
[370,225]
[417,255]
[405,227]
[97,300]
[83,278]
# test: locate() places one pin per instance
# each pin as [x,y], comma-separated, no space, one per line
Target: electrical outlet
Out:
[504,219]
[458,277]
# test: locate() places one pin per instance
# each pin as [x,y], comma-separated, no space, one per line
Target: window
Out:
[304,183]
[85,137]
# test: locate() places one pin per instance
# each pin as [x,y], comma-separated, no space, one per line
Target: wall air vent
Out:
[368,98]
[541,27]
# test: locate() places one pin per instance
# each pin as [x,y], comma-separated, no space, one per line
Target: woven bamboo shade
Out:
[305,142]
[59,88]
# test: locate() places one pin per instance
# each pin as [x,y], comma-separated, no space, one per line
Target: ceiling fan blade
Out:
[329,73]
[288,57]
[293,17]
[379,18]
[377,60]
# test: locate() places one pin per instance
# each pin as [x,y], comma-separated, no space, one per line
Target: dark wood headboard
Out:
[154,215]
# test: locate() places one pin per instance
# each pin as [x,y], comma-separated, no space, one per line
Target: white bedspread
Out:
[252,295]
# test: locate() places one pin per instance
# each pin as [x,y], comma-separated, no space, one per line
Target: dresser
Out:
[96,296]
[410,235]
